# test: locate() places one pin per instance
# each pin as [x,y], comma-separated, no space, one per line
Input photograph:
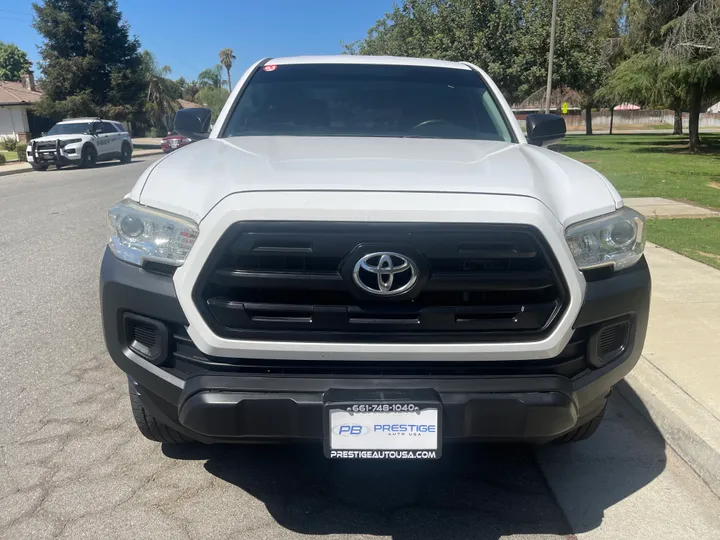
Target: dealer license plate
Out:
[383,430]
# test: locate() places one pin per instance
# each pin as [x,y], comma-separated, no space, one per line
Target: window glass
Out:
[368,101]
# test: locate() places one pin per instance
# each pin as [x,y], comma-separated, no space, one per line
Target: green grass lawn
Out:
[660,166]
[698,239]
[9,156]
[652,165]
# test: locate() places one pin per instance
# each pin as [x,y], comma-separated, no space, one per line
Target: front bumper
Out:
[216,400]
[68,155]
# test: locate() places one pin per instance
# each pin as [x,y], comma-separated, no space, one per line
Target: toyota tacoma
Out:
[372,254]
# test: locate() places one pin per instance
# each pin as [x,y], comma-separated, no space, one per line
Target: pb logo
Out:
[350,430]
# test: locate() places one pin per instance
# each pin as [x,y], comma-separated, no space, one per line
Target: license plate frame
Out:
[412,409]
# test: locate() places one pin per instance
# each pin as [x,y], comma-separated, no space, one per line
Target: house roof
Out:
[185,104]
[14,93]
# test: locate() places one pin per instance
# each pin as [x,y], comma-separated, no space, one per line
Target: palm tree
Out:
[226,59]
[160,104]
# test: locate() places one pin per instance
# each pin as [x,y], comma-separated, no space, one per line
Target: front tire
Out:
[151,427]
[126,153]
[89,157]
[39,167]
[584,431]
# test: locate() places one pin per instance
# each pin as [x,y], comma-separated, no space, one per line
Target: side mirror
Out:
[193,123]
[43,134]
[545,129]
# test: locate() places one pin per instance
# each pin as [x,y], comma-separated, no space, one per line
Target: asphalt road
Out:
[73,465]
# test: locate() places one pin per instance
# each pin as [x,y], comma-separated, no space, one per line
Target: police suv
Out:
[80,141]
[370,253]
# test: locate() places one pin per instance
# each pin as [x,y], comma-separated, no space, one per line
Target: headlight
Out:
[69,141]
[616,239]
[141,233]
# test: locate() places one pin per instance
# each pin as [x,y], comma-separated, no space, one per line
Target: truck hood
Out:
[192,180]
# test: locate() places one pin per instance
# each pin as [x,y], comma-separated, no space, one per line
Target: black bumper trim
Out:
[493,415]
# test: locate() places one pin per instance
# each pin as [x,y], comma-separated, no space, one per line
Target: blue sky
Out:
[187,35]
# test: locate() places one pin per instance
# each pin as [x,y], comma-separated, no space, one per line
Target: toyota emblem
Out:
[385,274]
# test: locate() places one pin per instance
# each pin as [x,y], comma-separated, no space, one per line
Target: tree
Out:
[213,98]
[226,60]
[211,77]
[692,53]
[13,62]
[161,98]
[508,39]
[189,92]
[90,63]
[645,22]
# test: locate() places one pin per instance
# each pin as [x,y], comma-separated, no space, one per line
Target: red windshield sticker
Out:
[270,67]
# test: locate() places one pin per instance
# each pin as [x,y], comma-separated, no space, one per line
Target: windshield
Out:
[75,128]
[367,101]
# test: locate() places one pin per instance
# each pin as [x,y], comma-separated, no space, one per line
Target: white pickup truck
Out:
[370,253]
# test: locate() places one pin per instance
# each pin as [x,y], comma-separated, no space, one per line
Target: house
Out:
[627,107]
[715,108]
[185,104]
[16,121]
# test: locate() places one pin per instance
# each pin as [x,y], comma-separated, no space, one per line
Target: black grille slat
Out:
[278,280]
[144,334]
[456,281]
[484,282]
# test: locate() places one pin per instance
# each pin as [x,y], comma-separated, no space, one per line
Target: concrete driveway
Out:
[73,465]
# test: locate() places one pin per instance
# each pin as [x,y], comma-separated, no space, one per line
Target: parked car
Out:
[369,252]
[198,119]
[80,141]
[174,141]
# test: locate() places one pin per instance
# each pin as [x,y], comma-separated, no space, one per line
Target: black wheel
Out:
[89,156]
[150,427]
[125,153]
[585,431]
[39,167]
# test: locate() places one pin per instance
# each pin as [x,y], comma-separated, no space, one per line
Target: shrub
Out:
[9,144]
[2,159]
[22,151]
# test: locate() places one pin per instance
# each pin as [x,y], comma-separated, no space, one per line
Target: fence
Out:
[601,119]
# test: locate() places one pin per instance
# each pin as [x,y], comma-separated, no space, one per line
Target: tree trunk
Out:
[694,128]
[229,81]
[677,126]
[588,120]
[612,117]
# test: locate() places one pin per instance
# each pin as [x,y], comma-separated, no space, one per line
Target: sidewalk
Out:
[657,207]
[22,166]
[678,376]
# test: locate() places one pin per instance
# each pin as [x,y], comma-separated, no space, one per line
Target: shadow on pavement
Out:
[485,492]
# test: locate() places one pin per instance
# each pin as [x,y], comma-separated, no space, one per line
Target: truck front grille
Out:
[46,145]
[293,281]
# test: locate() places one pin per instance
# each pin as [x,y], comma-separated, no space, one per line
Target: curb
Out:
[137,154]
[686,425]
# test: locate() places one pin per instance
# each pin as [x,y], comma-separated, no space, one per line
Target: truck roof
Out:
[367,60]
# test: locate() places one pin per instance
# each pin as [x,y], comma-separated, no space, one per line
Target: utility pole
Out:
[550,60]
